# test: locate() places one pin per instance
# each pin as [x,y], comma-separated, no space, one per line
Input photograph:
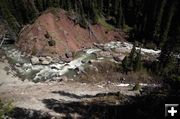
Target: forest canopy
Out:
[148,21]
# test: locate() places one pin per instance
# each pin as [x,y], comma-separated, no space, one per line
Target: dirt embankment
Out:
[54,34]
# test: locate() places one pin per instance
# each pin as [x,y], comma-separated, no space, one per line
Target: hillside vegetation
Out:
[149,21]
[79,50]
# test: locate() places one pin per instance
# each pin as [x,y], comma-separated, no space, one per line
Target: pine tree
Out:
[133,61]
[15,11]
[8,16]
[76,6]
[50,3]
[157,30]
[22,11]
[68,5]
[137,62]
[95,12]
[170,47]
[168,23]
[39,4]
[116,5]
[44,2]
[100,5]
[120,15]
[33,9]
[125,64]
[109,7]
[63,4]
[132,56]
[169,61]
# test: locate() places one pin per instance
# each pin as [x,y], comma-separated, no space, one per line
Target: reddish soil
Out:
[67,35]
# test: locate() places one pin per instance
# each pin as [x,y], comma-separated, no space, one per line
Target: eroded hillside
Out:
[55,33]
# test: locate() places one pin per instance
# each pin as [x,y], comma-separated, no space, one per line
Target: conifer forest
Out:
[89,59]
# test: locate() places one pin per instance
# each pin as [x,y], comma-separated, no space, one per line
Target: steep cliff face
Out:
[54,33]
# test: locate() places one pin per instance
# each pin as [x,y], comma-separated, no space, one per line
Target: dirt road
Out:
[29,95]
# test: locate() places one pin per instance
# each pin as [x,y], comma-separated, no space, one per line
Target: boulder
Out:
[67,60]
[83,61]
[35,60]
[123,44]
[100,46]
[5,61]
[45,62]
[105,54]
[54,67]
[3,57]
[18,64]
[56,60]
[49,58]
[69,55]
[118,58]
[90,61]
[63,78]
[41,59]
[118,50]
[61,62]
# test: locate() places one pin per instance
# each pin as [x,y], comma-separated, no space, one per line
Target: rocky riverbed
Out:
[48,68]
[48,98]
[37,88]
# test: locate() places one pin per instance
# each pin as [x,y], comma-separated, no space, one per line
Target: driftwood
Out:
[91,30]
[3,39]
[6,38]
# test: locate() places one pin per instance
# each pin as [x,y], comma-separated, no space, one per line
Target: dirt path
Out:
[30,95]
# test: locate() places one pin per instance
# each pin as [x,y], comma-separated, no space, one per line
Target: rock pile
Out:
[41,60]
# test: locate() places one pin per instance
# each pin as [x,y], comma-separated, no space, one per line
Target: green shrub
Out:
[5,108]
[83,23]
[137,87]
[52,42]
[127,28]
[133,61]
[34,50]
[103,22]
[175,77]
[151,45]
[55,12]
[47,35]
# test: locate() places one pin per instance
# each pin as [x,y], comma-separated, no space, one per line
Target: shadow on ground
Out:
[71,95]
[22,113]
[149,106]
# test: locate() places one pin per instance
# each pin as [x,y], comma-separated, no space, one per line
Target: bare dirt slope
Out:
[57,26]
